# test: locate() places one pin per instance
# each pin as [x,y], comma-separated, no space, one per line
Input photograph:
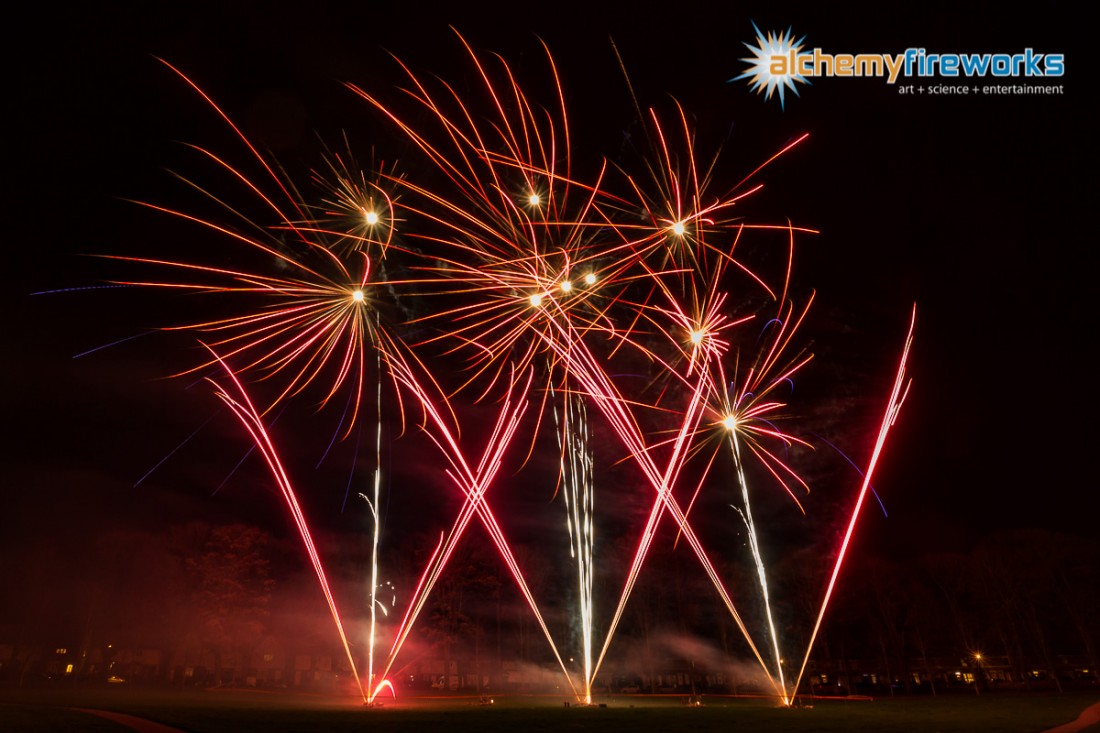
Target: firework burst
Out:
[547,287]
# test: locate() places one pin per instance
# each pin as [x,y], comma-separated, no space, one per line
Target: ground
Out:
[241,711]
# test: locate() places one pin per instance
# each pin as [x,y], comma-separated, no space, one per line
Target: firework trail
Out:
[374,502]
[701,327]
[312,316]
[238,401]
[893,408]
[576,473]
[754,545]
[474,482]
[521,257]
[524,265]
[517,249]
[516,243]
[749,415]
[614,407]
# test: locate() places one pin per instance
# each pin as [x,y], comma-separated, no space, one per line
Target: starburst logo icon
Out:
[765,75]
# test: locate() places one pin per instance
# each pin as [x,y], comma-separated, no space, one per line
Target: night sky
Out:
[975,209]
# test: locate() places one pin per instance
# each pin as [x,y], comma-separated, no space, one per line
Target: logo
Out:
[764,75]
[779,63]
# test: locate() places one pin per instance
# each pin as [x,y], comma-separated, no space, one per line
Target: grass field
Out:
[245,712]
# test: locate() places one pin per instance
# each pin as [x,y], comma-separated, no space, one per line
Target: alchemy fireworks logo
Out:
[778,63]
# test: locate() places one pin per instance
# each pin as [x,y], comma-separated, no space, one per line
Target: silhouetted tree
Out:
[233,587]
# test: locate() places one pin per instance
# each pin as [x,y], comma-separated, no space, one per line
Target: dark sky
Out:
[975,209]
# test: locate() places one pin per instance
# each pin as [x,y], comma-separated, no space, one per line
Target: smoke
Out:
[670,653]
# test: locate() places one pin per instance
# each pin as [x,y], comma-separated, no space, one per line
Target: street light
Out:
[977,673]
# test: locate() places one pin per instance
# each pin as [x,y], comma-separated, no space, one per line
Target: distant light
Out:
[697,337]
[357,295]
[678,229]
[566,286]
[536,300]
[534,199]
[730,423]
[590,279]
[371,217]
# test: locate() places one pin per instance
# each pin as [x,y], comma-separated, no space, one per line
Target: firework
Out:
[890,415]
[473,482]
[544,287]
[237,399]
[579,493]
[308,313]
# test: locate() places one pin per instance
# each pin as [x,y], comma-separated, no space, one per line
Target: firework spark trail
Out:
[747,414]
[474,483]
[505,425]
[593,378]
[579,494]
[705,329]
[754,545]
[525,250]
[376,530]
[515,258]
[665,501]
[516,238]
[316,318]
[244,138]
[246,412]
[751,408]
[312,325]
[705,335]
[893,407]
